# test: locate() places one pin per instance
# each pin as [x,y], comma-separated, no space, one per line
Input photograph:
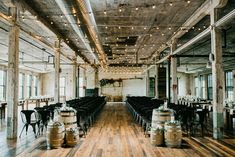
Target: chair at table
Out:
[29,118]
[44,117]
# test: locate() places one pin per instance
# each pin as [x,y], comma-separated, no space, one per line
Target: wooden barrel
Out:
[157,136]
[159,117]
[55,134]
[71,137]
[173,134]
[68,117]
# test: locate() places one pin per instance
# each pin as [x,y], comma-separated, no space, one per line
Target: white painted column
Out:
[78,83]
[96,78]
[174,86]
[218,77]
[147,83]
[206,86]
[13,77]
[188,85]
[156,81]
[57,72]
[233,85]
[74,79]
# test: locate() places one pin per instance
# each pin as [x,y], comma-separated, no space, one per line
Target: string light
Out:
[120,10]
[154,6]
[136,8]
[132,28]
[106,27]
[171,4]
[105,12]
[188,2]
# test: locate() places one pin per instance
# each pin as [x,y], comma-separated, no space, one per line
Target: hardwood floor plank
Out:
[115,134]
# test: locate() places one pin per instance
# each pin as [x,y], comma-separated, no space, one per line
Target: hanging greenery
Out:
[104,82]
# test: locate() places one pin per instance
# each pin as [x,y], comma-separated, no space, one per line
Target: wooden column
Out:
[57,72]
[78,85]
[206,85]
[13,77]
[156,81]
[147,83]
[75,80]
[96,78]
[188,85]
[217,76]
[174,86]
[233,85]
[168,77]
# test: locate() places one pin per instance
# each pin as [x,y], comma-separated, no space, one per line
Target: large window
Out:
[209,87]
[29,86]
[196,88]
[21,86]
[62,86]
[229,85]
[202,87]
[2,85]
[35,86]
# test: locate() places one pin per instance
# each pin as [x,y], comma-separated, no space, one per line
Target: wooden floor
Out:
[115,134]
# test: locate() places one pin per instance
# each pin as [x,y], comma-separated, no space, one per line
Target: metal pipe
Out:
[65,9]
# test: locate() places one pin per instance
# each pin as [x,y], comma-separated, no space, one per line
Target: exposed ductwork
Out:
[69,16]
[89,20]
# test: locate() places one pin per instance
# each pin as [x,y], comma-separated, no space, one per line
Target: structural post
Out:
[206,86]
[188,85]
[147,83]
[13,77]
[96,81]
[233,85]
[75,80]
[156,81]
[78,82]
[174,85]
[168,80]
[218,77]
[57,72]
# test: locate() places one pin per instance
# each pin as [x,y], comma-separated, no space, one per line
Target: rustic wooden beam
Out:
[57,72]
[218,77]
[174,74]
[13,77]
[74,80]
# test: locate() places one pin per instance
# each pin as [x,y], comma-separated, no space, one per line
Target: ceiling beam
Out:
[22,5]
[199,14]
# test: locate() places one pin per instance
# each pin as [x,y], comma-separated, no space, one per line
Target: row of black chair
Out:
[141,109]
[87,109]
[191,117]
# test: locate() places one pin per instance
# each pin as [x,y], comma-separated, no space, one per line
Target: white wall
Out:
[132,84]
[183,84]
[48,82]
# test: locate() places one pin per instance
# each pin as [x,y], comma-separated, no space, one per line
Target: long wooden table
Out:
[38,101]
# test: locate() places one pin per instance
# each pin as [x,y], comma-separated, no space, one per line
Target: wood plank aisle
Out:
[115,134]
